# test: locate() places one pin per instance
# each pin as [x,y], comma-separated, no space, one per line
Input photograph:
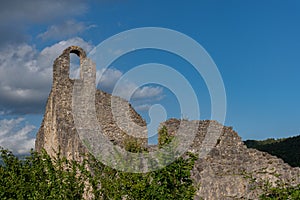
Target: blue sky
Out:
[255,45]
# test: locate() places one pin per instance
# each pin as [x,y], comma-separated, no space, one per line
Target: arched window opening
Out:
[74,64]
[75,51]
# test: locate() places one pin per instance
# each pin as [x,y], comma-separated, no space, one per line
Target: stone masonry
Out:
[57,131]
[230,170]
[226,168]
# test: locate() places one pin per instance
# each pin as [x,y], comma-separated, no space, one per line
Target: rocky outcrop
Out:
[226,168]
[230,170]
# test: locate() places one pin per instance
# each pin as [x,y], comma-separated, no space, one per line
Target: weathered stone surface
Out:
[226,168]
[230,170]
[57,130]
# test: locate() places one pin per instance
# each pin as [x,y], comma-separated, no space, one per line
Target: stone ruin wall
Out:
[57,131]
[229,171]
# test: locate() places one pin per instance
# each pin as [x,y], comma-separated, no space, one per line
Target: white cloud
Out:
[108,78]
[26,75]
[148,92]
[14,135]
[65,30]
[48,54]
[143,107]
[17,15]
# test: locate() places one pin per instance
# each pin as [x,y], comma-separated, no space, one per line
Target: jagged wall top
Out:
[61,67]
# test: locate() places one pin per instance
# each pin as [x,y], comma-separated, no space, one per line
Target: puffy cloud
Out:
[26,75]
[48,54]
[108,78]
[64,30]
[17,15]
[15,135]
[148,92]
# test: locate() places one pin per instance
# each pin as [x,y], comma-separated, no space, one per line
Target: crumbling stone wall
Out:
[226,168]
[57,130]
[230,170]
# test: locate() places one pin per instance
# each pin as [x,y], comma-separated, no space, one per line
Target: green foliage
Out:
[281,193]
[288,149]
[171,182]
[164,137]
[132,145]
[42,177]
[39,177]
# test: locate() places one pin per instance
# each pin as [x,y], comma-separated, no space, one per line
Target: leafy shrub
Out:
[171,182]
[41,177]
[281,193]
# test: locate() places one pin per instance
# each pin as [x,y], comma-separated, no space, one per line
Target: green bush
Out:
[39,177]
[171,182]
[42,177]
[281,193]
